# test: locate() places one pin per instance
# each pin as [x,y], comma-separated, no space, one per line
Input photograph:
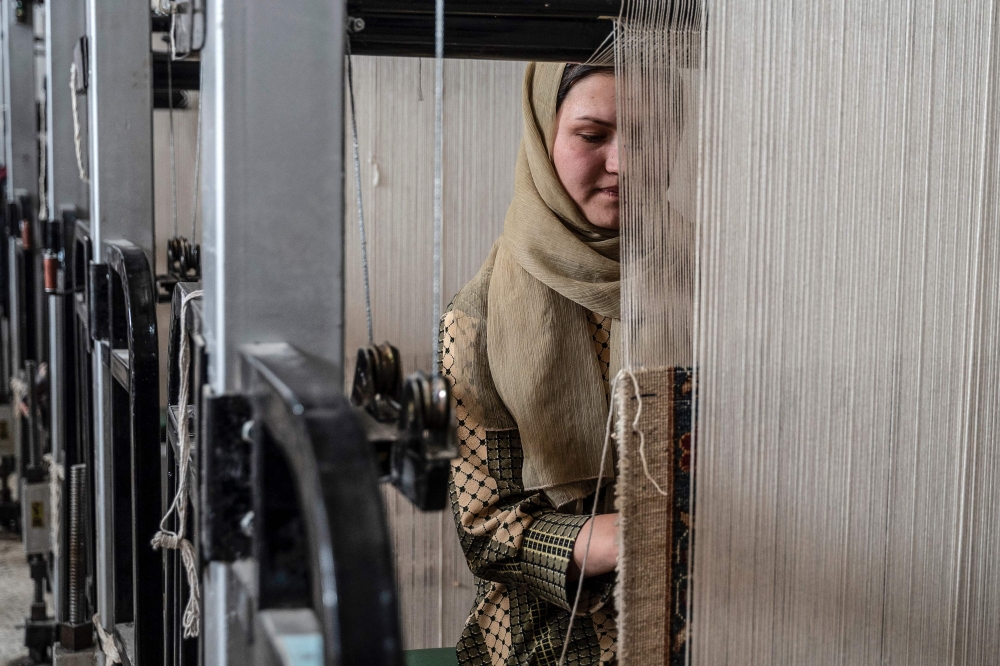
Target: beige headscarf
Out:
[551,267]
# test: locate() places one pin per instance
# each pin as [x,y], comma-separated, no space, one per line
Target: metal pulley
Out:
[421,459]
[408,423]
[183,259]
[378,381]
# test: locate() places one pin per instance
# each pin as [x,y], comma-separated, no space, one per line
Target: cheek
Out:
[577,167]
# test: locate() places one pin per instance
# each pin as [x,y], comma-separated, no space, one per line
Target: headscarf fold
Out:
[551,267]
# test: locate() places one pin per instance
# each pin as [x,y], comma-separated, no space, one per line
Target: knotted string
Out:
[166,538]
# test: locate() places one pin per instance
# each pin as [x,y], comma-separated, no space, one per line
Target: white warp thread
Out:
[108,644]
[56,475]
[166,538]
[608,435]
[76,124]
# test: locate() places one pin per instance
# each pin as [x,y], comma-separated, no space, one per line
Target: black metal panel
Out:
[98,297]
[161,100]
[226,482]
[318,505]
[78,279]
[135,437]
[184,74]
[532,37]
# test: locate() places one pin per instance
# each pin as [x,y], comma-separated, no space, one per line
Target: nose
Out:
[611,161]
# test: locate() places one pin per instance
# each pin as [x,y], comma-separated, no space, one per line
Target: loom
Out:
[809,323]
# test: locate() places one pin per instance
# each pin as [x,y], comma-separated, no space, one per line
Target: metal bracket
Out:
[227,490]
[100,295]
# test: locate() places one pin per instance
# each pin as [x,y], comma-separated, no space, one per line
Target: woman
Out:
[529,344]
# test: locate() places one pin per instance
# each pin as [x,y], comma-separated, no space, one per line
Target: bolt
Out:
[246,524]
[77,552]
[247,432]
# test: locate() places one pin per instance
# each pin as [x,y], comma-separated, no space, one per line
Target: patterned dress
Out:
[518,545]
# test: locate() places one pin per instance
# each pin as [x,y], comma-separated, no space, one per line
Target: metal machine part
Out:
[127,348]
[560,30]
[408,423]
[183,265]
[315,483]
[77,632]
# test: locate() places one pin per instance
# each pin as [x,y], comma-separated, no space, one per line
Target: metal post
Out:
[21,161]
[64,24]
[273,206]
[20,116]
[273,179]
[119,98]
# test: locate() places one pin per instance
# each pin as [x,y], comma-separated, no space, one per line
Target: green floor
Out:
[434,657]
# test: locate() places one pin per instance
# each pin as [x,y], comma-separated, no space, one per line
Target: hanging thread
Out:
[357,193]
[170,121]
[438,171]
[197,161]
[175,540]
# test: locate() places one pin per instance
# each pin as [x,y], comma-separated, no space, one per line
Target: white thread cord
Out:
[175,540]
[77,141]
[108,644]
[357,186]
[624,372]
[197,161]
[56,476]
[170,123]
[438,170]
[19,389]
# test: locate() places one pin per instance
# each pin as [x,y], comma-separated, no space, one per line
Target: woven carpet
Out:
[655,528]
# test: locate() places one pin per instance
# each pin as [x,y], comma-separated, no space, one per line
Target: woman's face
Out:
[585,152]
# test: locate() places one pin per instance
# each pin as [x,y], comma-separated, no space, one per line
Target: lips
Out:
[609,191]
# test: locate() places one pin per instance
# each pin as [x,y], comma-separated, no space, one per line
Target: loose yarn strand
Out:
[166,538]
[56,476]
[109,646]
[77,141]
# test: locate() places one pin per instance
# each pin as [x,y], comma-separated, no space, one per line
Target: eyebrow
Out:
[605,123]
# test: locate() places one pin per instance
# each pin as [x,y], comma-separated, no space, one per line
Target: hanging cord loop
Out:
[166,538]
[109,646]
[77,141]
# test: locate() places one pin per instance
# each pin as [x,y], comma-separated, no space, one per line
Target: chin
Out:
[607,222]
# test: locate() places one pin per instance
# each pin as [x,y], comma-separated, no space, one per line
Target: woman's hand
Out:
[603,555]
